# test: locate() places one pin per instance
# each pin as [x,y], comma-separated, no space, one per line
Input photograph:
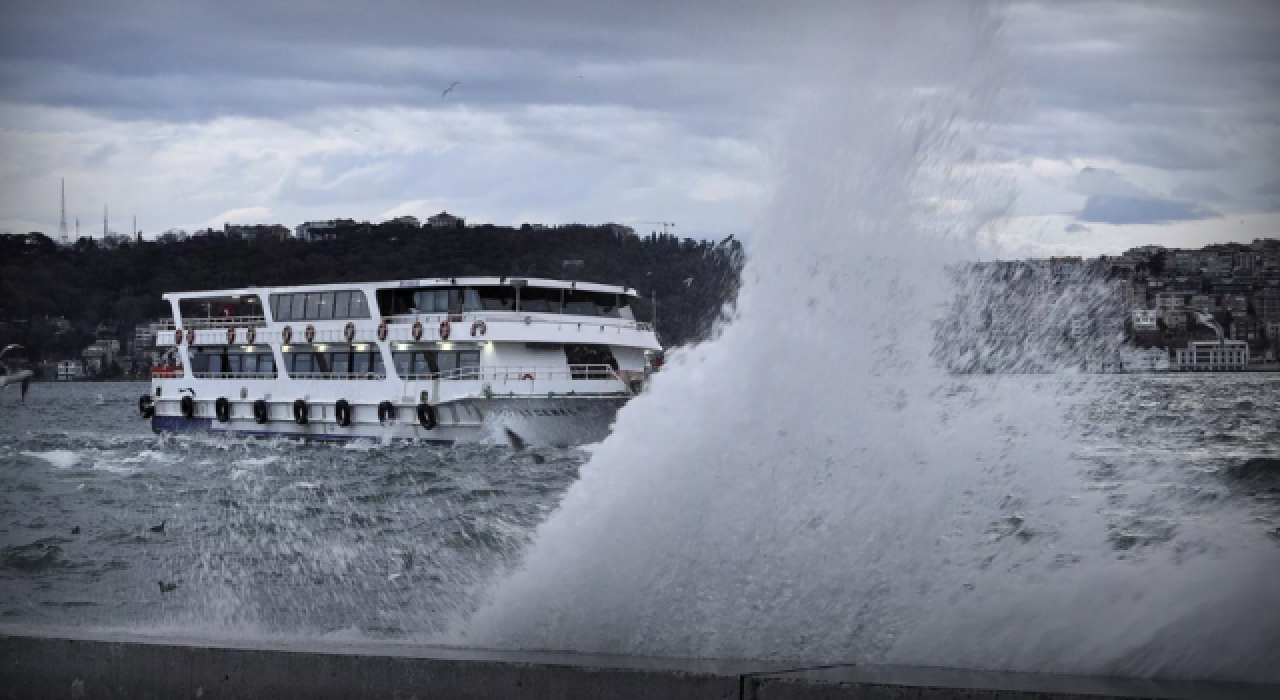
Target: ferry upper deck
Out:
[492,309]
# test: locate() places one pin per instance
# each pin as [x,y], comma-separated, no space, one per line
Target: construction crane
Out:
[664,224]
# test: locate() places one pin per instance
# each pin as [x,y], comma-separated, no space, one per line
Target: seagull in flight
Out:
[449,89]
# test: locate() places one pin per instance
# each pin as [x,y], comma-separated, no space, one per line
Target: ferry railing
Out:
[213,322]
[431,322]
[519,373]
[233,375]
[331,376]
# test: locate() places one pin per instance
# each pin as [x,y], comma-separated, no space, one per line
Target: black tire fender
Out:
[188,406]
[146,406]
[300,412]
[342,412]
[222,409]
[386,412]
[260,411]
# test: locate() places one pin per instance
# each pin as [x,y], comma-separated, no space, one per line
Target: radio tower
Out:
[62,224]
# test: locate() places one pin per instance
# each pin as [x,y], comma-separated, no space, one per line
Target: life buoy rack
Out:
[386,412]
[342,413]
[250,334]
[426,416]
[349,331]
[478,328]
[300,412]
[231,336]
[177,337]
[260,411]
[146,406]
[310,333]
[222,409]
[286,334]
[188,407]
[382,331]
[191,336]
[416,331]
[445,329]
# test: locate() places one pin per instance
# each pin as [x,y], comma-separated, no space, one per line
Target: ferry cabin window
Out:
[591,303]
[319,306]
[247,306]
[541,300]
[451,364]
[361,364]
[214,362]
[443,300]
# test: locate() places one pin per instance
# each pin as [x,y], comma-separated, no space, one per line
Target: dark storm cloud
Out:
[137,58]
[1166,85]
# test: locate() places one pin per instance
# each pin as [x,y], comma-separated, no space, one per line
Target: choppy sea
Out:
[276,537]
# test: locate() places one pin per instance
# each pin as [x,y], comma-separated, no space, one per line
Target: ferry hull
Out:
[562,421]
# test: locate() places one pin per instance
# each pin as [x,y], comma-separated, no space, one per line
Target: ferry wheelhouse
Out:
[447,360]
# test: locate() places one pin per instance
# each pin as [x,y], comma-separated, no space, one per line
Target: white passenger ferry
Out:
[449,360]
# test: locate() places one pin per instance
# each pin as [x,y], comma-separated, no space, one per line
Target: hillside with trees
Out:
[116,285]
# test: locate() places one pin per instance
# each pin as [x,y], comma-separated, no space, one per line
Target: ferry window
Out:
[422,363]
[299,308]
[447,362]
[495,298]
[233,364]
[471,300]
[377,363]
[590,303]
[199,363]
[249,364]
[278,301]
[313,305]
[360,363]
[403,362]
[540,299]
[359,309]
[341,363]
[430,301]
[321,362]
[341,302]
[267,364]
[326,306]
[302,363]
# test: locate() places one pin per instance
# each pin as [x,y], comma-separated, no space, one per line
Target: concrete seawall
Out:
[37,664]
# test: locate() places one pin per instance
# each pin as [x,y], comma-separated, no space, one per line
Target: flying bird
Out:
[158,528]
[75,530]
[167,587]
[449,89]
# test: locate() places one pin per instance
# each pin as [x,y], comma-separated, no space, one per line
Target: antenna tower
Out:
[104,222]
[62,223]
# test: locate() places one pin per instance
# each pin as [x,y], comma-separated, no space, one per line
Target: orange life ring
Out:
[177,337]
[417,330]
[191,336]
[444,330]
[286,335]
[349,332]
[250,335]
[478,328]
[310,333]
[526,376]
[382,331]
[231,336]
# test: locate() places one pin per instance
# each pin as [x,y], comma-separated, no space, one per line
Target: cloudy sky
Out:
[1143,122]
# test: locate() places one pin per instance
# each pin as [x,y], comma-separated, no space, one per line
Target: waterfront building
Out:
[1212,356]
[69,370]
[1145,320]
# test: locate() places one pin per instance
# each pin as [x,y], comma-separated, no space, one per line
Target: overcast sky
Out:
[1144,122]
